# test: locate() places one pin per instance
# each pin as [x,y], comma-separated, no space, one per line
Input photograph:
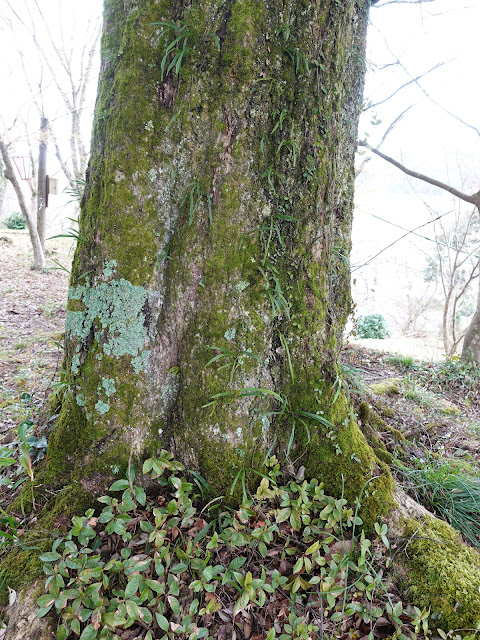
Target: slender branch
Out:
[437,104]
[384,137]
[472,199]
[63,164]
[406,84]
[393,125]
[411,231]
[384,4]
[416,81]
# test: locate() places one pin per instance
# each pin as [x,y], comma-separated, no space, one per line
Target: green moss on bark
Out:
[217,213]
[20,568]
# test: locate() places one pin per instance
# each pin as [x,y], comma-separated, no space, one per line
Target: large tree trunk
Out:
[210,284]
[471,341]
[216,222]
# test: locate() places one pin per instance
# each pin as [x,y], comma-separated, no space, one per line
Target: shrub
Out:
[14,221]
[372,326]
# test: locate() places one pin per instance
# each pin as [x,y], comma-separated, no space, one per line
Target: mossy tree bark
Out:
[216,222]
[212,263]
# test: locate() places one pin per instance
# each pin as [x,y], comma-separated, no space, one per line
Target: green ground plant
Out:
[406,362]
[450,488]
[290,563]
[14,221]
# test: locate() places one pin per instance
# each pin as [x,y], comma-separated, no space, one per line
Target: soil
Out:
[435,412]
[32,318]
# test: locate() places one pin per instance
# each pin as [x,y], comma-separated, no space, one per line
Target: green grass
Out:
[450,488]
[406,362]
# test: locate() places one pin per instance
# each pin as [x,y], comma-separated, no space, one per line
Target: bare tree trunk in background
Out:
[38,253]
[3,185]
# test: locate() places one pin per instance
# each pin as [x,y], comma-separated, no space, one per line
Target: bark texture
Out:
[471,341]
[216,222]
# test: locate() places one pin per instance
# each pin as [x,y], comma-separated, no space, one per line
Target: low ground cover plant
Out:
[14,221]
[290,563]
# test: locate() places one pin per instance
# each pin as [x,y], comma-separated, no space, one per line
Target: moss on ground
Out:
[371,424]
[389,387]
[443,574]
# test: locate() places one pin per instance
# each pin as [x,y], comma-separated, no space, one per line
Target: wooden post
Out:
[42,197]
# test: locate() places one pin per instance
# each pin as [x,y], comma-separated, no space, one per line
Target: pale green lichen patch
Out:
[102,407]
[81,400]
[109,385]
[75,366]
[114,312]
[109,268]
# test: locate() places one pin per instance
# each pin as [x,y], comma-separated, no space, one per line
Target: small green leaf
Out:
[179,568]
[62,632]
[133,610]
[89,633]
[140,495]
[132,586]
[298,565]
[45,601]
[162,622]
[237,563]
[50,556]
[119,485]
[174,604]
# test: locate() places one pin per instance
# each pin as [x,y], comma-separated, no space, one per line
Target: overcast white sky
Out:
[427,140]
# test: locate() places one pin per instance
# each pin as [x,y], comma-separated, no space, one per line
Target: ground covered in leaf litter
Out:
[435,412]
[435,405]
[32,319]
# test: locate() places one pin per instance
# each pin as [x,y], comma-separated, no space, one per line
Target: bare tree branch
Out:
[406,84]
[427,95]
[440,106]
[384,4]
[472,199]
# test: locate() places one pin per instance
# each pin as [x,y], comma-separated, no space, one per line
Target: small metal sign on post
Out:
[52,187]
